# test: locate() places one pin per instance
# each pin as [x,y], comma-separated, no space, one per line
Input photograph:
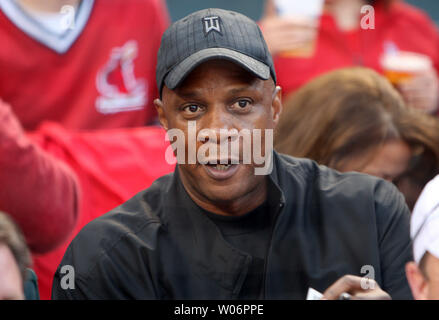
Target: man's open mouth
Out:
[221,171]
[221,167]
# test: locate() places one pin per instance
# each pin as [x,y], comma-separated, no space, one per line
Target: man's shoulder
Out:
[347,199]
[407,16]
[134,224]
[412,13]
[330,183]
[310,171]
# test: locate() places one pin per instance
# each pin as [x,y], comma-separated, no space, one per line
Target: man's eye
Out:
[241,104]
[192,108]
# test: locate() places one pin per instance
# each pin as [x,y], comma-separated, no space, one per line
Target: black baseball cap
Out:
[211,34]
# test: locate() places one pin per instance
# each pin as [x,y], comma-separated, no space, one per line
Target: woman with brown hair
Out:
[354,120]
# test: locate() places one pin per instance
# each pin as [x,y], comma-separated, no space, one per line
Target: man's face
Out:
[11,285]
[221,95]
[424,283]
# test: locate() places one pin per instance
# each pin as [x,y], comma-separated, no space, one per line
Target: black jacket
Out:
[159,245]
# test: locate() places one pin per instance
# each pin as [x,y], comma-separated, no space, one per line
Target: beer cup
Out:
[401,66]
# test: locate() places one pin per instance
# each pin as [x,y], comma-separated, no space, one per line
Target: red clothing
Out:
[111,165]
[99,74]
[402,25]
[39,191]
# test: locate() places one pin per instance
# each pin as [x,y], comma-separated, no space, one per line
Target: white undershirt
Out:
[55,22]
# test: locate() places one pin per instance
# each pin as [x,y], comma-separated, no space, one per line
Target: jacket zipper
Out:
[274,225]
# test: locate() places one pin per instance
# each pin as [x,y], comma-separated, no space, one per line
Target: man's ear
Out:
[276,105]
[418,283]
[161,113]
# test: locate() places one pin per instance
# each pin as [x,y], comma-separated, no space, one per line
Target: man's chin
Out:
[228,190]
[221,185]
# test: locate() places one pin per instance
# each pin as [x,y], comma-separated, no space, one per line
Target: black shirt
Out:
[250,233]
[160,245]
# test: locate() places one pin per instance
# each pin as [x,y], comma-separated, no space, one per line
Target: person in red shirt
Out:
[81,65]
[57,180]
[112,165]
[86,64]
[341,42]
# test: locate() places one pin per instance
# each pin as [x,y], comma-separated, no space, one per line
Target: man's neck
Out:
[47,6]
[236,207]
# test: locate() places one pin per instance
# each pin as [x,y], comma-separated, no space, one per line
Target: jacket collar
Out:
[200,239]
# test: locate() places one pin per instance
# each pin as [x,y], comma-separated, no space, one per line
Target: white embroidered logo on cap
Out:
[211,24]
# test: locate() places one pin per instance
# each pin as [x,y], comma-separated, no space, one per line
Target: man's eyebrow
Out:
[192,94]
[235,91]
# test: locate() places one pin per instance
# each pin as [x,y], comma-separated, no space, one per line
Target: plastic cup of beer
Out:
[307,14]
[401,66]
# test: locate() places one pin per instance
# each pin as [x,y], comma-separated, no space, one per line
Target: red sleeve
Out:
[38,190]
[436,58]
[418,31]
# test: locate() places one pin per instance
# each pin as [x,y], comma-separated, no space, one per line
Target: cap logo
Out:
[211,23]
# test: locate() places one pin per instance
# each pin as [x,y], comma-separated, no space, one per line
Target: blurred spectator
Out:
[58,180]
[87,64]
[423,273]
[341,42]
[111,165]
[40,192]
[14,260]
[354,120]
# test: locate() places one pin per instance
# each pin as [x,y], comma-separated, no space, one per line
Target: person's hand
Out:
[422,91]
[284,34]
[359,288]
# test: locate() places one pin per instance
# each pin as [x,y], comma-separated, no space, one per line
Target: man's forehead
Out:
[220,68]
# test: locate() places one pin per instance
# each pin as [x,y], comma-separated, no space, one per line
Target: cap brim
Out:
[182,70]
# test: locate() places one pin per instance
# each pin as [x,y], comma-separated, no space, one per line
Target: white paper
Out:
[313,294]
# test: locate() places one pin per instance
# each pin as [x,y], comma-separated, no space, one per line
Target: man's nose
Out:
[220,124]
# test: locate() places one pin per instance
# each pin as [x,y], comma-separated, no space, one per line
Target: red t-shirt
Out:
[111,166]
[401,25]
[99,74]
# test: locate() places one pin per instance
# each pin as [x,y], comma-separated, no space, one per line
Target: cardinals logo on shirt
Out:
[116,83]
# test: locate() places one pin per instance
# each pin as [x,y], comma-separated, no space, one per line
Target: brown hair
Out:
[350,112]
[11,236]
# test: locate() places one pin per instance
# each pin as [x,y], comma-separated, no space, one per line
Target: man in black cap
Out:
[217,228]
